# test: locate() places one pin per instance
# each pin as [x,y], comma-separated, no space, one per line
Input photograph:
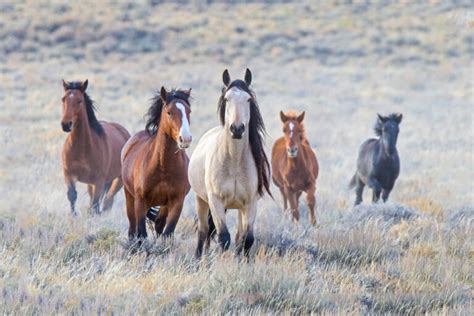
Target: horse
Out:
[378,164]
[294,165]
[229,167]
[155,164]
[91,152]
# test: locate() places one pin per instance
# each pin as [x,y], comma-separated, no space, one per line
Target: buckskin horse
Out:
[295,166]
[229,167]
[155,164]
[91,153]
[378,164]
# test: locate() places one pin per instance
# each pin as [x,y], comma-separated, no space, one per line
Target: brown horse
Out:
[294,165]
[91,153]
[155,164]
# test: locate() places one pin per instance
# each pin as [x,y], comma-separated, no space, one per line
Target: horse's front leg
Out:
[311,199]
[174,212]
[293,198]
[246,237]
[97,192]
[218,215]
[202,209]
[376,187]
[71,194]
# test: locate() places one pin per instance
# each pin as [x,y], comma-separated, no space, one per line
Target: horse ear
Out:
[163,94]
[399,118]
[84,85]
[188,92]
[65,85]
[382,119]
[283,117]
[248,77]
[300,118]
[226,78]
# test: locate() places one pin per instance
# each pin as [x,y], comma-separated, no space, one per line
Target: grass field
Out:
[340,63]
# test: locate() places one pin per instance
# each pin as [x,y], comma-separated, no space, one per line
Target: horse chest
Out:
[235,186]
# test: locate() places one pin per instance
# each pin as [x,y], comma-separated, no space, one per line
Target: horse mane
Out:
[379,124]
[90,108]
[153,115]
[256,134]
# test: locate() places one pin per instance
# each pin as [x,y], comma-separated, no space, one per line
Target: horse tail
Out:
[352,183]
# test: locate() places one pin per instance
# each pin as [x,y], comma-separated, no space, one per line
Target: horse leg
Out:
[130,204]
[239,236]
[98,192]
[376,189]
[311,199]
[285,199]
[359,190]
[218,215]
[90,190]
[174,212]
[248,220]
[71,194]
[161,220]
[140,215]
[385,194]
[293,197]
[115,186]
[202,209]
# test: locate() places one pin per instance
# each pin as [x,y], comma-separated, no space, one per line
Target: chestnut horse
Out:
[294,165]
[155,164]
[91,153]
[229,167]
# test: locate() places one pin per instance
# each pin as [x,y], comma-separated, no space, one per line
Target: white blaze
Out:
[292,126]
[184,131]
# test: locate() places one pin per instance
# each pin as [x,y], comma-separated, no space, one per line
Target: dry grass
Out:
[340,63]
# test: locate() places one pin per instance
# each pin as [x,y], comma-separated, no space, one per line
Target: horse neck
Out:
[164,149]
[81,134]
[233,149]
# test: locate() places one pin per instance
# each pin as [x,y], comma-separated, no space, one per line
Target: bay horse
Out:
[378,164]
[294,165]
[155,164]
[229,167]
[91,152]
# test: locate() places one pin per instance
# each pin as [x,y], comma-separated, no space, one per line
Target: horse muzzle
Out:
[292,152]
[67,127]
[237,130]
[184,141]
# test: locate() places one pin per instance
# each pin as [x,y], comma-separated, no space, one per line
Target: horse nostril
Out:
[180,139]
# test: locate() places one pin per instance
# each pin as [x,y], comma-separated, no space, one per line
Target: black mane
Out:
[379,124]
[153,116]
[256,134]
[90,108]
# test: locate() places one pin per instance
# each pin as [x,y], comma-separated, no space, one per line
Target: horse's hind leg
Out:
[115,186]
[359,190]
[202,209]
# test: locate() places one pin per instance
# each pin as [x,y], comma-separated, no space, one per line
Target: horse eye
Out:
[169,113]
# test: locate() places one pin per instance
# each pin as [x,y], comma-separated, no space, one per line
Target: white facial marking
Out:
[71,95]
[237,108]
[292,126]
[184,131]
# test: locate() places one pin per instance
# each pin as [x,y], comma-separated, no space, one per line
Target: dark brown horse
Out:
[155,164]
[294,165]
[91,153]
